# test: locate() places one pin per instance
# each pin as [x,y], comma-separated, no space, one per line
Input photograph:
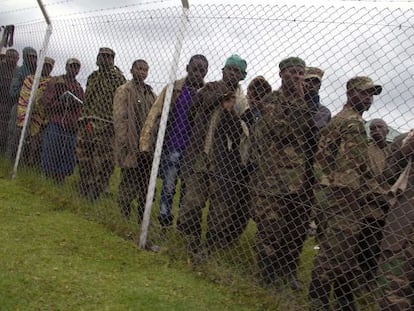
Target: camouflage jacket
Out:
[281,146]
[99,93]
[343,152]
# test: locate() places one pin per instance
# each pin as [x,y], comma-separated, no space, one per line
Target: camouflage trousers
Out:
[396,279]
[349,247]
[134,185]
[282,225]
[228,213]
[96,164]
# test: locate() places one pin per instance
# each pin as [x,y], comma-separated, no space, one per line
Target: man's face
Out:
[12,58]
[47,69]
[378,130]
[197,70]
[232,75]
[360,100]
[292,77]
[140,71]
[312,85]
[32,60]
[229,103]
[72,70]
[105,60]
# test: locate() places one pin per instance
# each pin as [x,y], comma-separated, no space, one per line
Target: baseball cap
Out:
[291,61]
[49,60]
[106,51]
[363,83]
[238,62]
[71,61]
[313,73]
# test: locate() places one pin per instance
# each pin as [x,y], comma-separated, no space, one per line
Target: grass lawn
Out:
[60,252]
[53,259]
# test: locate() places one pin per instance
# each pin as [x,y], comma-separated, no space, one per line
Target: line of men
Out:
[51,135]
[266,156]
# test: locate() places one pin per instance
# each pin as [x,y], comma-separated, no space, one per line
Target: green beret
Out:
[291,61]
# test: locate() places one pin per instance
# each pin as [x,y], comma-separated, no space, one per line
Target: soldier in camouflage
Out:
[283,142]
[96,131]
[396,273]
[344,161]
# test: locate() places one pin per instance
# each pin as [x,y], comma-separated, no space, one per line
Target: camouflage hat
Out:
[106,51]
[313,73]
[291,61]
[238,62]
[363,83]
[50,61]
[71,61]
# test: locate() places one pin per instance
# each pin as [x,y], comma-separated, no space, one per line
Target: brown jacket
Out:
[147,130]
[130,110]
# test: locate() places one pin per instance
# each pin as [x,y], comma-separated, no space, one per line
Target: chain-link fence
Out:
[248,123]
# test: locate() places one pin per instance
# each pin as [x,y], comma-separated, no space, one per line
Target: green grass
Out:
[93,263]
[53,259]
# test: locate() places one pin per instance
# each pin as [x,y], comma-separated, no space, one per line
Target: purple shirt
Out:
[179,129]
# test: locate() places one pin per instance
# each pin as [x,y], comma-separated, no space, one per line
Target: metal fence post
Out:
[33,91]
[163,124]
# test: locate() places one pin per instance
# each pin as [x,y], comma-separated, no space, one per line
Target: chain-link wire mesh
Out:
[266,168]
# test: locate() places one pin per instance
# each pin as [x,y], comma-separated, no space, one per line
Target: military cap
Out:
[291,61]
[71,61]
[50,61]
[363,83]
[106,51]
[313,73]
[238,62]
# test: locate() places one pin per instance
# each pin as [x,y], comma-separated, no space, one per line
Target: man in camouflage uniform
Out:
[196,165]
[344,161]
[132,103]
[96,133]
[283,141]
[396,273]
